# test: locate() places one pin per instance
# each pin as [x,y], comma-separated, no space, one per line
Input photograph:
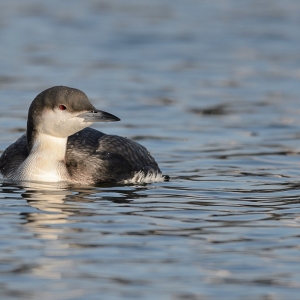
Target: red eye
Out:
[62,107]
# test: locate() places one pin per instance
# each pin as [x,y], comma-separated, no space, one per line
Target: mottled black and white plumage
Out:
[58,147]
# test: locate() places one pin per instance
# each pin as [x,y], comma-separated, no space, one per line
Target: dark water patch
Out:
[156,138]
[217,110]
[4,80]
[21,129]
[258,154]
[166,101]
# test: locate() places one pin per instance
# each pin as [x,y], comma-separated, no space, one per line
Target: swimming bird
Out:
[59,146]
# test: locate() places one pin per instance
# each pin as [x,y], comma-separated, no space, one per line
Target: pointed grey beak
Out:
[98,116]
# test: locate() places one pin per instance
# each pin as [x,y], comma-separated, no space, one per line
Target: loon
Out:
[59,146]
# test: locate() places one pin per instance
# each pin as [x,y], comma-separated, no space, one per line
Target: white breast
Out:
[46,161]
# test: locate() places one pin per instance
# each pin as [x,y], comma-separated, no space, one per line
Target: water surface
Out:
[211,88]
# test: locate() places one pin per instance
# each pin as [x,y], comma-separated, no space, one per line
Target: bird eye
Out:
[62,107]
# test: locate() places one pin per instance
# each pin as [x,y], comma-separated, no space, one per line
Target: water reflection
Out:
[58,204]
[67,226]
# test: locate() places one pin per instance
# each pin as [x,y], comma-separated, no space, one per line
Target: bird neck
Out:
[46,160]
[49,147]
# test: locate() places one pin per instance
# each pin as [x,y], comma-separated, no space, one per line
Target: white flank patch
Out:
[140,177]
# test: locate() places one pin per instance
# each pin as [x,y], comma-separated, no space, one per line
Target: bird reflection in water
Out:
[59,203]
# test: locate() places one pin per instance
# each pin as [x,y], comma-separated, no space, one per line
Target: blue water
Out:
[211,88]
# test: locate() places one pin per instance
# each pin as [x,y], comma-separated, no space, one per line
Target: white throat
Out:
[45,162]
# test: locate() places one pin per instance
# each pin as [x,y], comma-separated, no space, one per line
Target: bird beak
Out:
[98,116]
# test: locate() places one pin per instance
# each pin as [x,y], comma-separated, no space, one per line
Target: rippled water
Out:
[211,88]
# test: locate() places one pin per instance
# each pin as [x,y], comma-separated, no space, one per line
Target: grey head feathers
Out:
[61,111]
[74,100]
